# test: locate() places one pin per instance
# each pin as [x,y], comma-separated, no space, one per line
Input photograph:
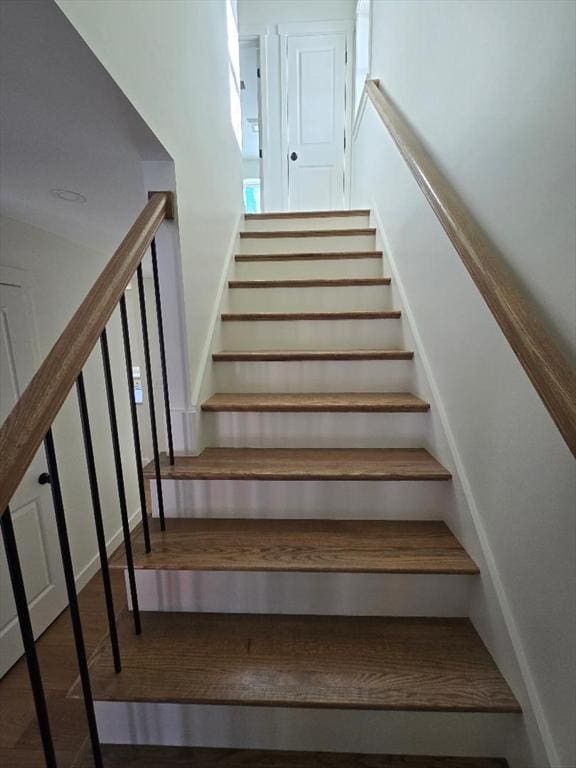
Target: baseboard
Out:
[93,565]
[512,642]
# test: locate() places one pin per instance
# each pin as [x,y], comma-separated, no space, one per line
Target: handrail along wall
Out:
[30,423]
[552,375]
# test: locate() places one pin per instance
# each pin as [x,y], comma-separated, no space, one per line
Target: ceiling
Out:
[65,124]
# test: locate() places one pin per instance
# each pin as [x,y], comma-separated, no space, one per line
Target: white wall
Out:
[490,87]
[263,17]
[61,273]
[174,67]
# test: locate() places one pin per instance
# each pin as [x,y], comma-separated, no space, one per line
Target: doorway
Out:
[251,106]
[31,507]
[317,108]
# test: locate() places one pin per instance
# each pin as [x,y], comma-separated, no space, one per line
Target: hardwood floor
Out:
[345,662]
[313,402]
[321,546]
[389,464]
[20,745]
[117,756]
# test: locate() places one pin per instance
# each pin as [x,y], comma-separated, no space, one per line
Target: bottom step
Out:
[123,756]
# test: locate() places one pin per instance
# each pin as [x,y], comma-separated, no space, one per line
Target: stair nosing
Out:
[304,355]
[301,233]
[306,214]
[330,405]
[231,317]
[309,256]
[342,282]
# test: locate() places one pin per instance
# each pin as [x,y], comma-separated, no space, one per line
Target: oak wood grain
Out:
[304,546]
[303,464]
[550,371]
[230,317]
[290,355]
[361,402]
[129,756]
[344,662]
[337,282]
[33,414]
[307,214]
[321,256]
[352,232]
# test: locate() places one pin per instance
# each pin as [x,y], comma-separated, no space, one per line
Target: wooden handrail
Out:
[32,416]
[553,377]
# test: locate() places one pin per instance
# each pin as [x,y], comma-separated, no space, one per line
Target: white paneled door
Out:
[31,507]
[316,117]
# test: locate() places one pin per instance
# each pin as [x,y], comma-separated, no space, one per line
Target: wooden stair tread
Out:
[313,546]
[303,464]
[360,402]
[287,355]
[306,214]
[338,282]
[275,233]
[140,756]
[345,662]
[323,256]
[228,317]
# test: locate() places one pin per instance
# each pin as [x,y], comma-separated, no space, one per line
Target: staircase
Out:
[311,598]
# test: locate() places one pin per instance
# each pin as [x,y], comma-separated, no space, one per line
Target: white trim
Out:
[260,33]
[14,276]
[205,360]
[359,114]
[313,28]
[93,565]
[493,574]
[316,27]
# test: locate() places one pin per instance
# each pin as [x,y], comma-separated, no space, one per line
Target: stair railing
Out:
[552,375]
[30,423]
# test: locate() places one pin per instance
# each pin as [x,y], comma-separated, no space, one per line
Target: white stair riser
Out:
[314,299]
[341,594]
[315,376]
[423,733]
[313,499]
[316,430]
[300,269]
[313,244]
[312,334]
[320,222]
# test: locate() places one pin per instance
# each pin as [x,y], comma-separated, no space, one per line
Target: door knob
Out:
[293,156]
[44,478]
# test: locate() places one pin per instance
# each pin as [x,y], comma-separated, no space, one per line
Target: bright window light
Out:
[234,71]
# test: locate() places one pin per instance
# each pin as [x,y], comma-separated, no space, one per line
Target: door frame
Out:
[261,35]
[314,28]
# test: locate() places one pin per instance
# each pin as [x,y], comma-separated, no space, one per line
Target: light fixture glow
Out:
[68,195]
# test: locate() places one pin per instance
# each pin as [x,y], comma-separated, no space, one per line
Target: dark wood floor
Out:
[20,745]
[181,757]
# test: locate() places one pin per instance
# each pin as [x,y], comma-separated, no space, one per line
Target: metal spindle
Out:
[95,495]
[21,601]
[146,344]
[72,597]
[135,429]
[162,350]
[120,479]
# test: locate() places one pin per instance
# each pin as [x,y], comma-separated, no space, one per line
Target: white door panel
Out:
[316,74]
[31,507]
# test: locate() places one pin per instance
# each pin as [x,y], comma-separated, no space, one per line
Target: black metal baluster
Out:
[146,343]
[72,596]
[135,429]
[162,350]
[19,591]
[100,536]
[120,479]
